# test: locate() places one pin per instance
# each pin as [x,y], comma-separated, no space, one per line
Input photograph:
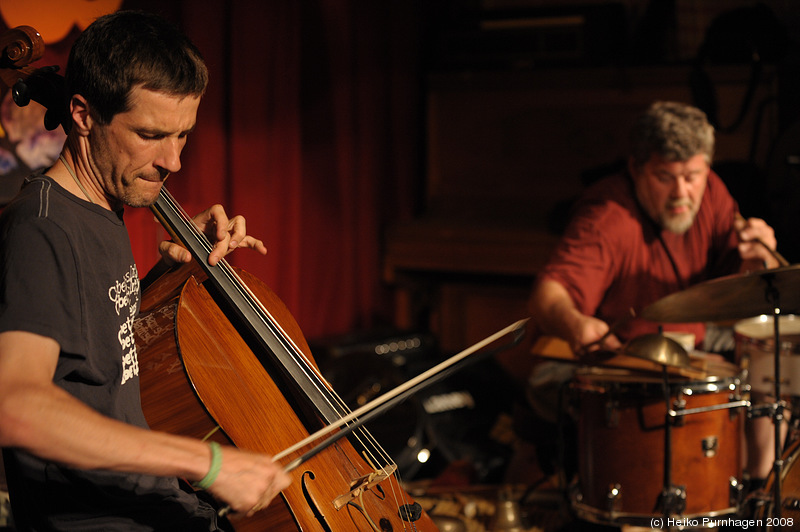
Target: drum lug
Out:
[678,405]
[791,503]
[736,491]
[673,500]
[710,445]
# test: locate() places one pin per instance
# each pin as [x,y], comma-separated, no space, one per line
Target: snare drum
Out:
[755,352]
[622,447]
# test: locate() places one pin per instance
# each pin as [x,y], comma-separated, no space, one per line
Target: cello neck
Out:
[275,345]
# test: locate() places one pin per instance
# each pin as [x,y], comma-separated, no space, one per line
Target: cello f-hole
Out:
[311,502]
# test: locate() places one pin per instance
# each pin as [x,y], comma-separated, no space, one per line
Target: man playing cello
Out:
[77,450]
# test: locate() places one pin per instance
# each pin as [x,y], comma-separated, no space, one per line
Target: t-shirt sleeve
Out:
[39,284]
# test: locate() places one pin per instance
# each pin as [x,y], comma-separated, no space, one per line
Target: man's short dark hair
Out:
[127,49]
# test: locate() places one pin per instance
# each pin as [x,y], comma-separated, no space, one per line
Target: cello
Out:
[222,351]
[245,375]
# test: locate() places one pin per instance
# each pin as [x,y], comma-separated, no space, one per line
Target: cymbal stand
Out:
[672,500]
[777,412]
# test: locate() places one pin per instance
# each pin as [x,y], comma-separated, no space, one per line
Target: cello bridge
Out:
[362,484]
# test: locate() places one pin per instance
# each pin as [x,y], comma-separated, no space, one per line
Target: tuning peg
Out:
[20,93]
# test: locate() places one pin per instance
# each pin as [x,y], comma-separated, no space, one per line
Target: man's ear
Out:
[79,111]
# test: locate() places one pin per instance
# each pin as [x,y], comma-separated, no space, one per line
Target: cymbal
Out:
[732,297]
[659,349]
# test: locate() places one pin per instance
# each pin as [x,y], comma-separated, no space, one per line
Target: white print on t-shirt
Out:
[125,296]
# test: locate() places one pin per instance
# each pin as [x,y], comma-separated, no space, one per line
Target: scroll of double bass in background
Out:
[220,357]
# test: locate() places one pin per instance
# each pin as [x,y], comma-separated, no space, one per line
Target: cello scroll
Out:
[19,47]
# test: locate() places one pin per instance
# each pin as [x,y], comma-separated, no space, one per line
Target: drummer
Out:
[665,224]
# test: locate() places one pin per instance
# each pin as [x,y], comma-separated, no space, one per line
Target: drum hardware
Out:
[740,297]
[710,444]
[764,503]
[737,492]
[614,498]
[775,410]
[673,498]
[742,403]
[777,417]
[764,410]
[791,503]
[736,397]
[672,501]
[678,406]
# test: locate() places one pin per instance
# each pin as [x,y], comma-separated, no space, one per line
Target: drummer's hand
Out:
[224,233]
[592,334]
[754,234]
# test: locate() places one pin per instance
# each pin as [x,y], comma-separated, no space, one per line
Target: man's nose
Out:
[170,157]
[681,187]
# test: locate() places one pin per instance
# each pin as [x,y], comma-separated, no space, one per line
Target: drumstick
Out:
[611,330]
[782,261]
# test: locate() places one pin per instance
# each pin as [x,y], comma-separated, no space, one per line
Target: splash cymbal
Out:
[732,297]
[659,349]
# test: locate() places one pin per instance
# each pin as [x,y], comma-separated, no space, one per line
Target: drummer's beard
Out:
[681,222]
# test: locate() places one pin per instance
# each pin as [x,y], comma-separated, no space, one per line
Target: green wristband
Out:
[216,464]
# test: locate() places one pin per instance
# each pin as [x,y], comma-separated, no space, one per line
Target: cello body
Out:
[201,378]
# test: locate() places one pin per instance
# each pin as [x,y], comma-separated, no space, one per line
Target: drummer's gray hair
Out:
[672,130]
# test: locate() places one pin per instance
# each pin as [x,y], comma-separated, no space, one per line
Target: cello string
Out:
[296,354]
[249,299]
[327,392]
[258,309]
[288,343]
[334,401]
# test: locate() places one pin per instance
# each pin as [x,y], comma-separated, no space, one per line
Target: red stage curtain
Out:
[309,129]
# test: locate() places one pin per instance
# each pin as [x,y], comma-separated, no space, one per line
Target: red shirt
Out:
[613,257]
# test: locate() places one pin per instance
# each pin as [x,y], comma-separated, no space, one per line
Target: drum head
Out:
[762,327]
